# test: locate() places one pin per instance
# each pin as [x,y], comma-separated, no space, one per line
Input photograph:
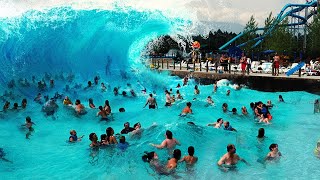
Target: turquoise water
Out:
[47,154]
[109,44]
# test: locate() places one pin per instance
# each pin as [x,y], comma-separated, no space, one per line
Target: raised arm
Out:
[161,146]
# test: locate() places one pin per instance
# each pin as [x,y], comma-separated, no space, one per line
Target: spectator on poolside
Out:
[276,65]
[249,62]
[243,62]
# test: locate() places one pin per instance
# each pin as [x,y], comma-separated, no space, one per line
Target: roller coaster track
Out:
[295,8]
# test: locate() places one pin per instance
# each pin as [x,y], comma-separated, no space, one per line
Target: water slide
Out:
[295,68]
[284,13]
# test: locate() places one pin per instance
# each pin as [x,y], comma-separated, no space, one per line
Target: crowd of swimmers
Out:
[228,161]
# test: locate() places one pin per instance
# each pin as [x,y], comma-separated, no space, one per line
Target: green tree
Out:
[313,40]
[249,34]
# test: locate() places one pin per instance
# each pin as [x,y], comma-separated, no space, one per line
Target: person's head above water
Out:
[177,154]
[191,150]
[189,104]
[148,156]
[261,133]
[231,149]
[169,134]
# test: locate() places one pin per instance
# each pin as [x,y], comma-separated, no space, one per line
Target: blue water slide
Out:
[281,16]
[296,68]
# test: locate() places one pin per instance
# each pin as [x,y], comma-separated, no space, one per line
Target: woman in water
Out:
[94,140]
[110,138]
[107,107]
[261,136]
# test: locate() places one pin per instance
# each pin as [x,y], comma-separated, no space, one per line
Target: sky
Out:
[230,11]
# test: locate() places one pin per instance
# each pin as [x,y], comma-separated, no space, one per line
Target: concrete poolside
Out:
[257,81]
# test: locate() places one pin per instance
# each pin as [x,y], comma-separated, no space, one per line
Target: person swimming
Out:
[217,124]
[2,154]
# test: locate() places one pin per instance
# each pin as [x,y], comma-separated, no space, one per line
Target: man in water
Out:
[230,159]
[152,102]
[169,143]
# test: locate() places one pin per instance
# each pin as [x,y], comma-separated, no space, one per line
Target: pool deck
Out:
[257,81]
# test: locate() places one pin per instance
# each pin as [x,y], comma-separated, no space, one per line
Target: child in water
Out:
[28,125]
[274,152]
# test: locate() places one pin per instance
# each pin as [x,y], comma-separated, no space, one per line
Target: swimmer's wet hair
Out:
[148,156]
[191,150]
[272,146]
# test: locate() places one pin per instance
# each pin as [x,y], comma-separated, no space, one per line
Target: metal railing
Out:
[206,66]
